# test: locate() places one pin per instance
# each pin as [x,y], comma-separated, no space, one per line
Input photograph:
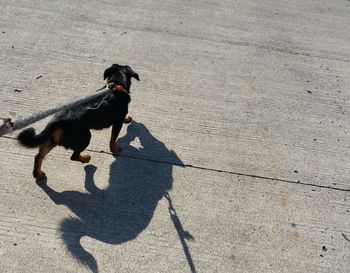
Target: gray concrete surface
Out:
[242,115]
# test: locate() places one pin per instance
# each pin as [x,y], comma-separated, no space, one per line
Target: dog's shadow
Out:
[119,213]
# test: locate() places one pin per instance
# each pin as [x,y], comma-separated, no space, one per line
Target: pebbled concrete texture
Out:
[238,159]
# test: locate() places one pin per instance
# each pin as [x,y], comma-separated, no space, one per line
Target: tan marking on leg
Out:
[43,151]
[127,120]
[112,145]
[57,135]
[114,148]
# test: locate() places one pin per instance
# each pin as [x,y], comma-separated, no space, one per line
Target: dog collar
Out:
[117,87]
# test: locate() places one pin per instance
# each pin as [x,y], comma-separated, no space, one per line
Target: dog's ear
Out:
[108,72]
[132,73]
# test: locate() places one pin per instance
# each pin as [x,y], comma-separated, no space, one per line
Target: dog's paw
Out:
[127,120]
[38,175]
[41,182]
[115,150]
[84,158]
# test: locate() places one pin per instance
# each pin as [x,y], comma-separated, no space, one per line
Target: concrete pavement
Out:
[242,116]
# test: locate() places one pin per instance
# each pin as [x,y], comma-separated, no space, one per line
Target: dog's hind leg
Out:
[43,151]
[80,145]
[77,138]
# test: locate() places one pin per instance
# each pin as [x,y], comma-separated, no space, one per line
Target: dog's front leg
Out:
[115,150]
[127,120]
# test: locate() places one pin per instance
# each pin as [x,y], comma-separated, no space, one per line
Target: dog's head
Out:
[121,75]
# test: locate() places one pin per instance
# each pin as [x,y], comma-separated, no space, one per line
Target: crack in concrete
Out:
[230,172]
[219,171]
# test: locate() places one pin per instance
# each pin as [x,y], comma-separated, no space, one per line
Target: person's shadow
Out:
[119,213]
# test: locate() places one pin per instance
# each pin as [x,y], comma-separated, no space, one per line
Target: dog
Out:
[71,129]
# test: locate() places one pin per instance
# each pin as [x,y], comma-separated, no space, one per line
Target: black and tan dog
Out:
[71,129]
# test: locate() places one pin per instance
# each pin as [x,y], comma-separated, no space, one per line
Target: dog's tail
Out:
[28,138]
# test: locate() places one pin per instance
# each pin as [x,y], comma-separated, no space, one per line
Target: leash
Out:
[7,126]
[111,86]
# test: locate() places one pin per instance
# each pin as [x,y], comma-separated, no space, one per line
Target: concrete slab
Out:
[242,116]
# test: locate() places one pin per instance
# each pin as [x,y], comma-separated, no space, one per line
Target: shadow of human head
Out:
[137,181]
[148,148]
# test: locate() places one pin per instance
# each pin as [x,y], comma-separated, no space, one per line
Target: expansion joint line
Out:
[218,170]
[230,172]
